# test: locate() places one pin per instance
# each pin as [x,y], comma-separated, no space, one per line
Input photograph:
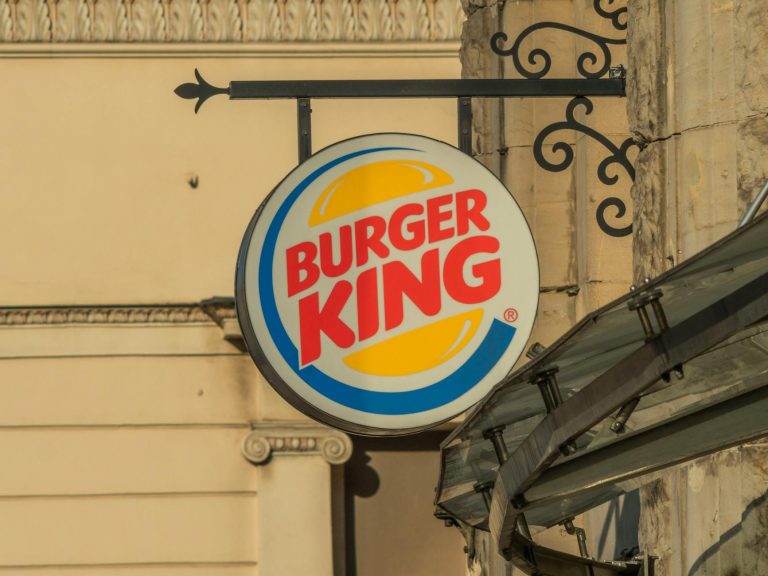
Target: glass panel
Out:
[596,344]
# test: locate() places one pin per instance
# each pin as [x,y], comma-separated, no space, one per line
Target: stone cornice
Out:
[268,440]
[215,310]
[229,21]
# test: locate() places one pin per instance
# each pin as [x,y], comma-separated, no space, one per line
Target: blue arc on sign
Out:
[482,360]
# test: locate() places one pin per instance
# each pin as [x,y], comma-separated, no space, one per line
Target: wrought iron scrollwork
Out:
[539,56]
[618,155]
[618,17]
[587,59]
[591,63]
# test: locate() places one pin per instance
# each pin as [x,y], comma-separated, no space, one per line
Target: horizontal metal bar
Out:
[452,88]
[534,559]
[728,423]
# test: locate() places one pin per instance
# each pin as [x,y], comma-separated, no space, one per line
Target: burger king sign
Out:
[386,284]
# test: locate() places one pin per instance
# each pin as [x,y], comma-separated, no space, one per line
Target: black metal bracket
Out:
[304,123]
[638,303]
[540,57]
[592,63]
[464,90]
[484,489]
[617,155]
[465,124]
[581,536]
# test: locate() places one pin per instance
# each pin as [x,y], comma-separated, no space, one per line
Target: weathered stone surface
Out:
[750,55]
[710,517]
[650,220]
[470,6]
[477,61]
[697,94]
[752,158]
[646,72]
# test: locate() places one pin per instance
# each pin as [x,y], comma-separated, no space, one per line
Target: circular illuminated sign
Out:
[386,284]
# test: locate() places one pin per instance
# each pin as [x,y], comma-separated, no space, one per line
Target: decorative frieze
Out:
[267,440]
[224,21]
[215,310]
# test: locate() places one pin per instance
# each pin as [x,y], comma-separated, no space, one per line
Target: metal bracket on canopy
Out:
[581,536]
[639,302]
[484,489]
[496,436]
[552,398]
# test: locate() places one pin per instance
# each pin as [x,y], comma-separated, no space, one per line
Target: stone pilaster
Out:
[698,105]
[295,515]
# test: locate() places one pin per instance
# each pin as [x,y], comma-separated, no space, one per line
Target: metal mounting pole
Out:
[465,124]
[304,115]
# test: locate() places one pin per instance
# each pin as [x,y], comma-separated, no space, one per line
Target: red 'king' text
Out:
[409,227]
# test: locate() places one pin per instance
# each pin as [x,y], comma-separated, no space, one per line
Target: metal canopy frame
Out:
[625,381]
[552,467]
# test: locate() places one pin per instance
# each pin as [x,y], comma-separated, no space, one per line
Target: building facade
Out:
[137,436]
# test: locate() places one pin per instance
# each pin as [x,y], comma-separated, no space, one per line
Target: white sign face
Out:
[387,284]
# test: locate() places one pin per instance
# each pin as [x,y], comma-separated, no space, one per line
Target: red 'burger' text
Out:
[410,227]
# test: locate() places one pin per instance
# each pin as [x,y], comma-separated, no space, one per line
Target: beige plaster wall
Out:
[121,431]
[99,152]
[698,103]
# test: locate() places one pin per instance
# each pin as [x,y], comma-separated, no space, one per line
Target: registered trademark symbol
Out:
[510,314]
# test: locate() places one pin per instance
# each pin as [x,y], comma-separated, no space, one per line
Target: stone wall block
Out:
[752,159]
[608,117]
[751,56]
[722,56]
[691,66]
[650,214]
[706,181]
[478,61]
[646,71]
[709,517]
[553,230]
[521,181]
[555,316]
[754,518]
[560,45]
[703,63]
[520,116]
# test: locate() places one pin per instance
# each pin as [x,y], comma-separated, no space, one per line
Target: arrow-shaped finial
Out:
[202,90]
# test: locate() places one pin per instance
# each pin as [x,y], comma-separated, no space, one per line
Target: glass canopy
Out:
[674,369]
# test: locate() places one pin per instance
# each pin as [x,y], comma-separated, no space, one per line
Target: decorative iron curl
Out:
[617,17]
[617,156]
[540,57]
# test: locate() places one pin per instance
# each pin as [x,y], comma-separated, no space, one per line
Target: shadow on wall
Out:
[761,505]
[623,518]
[362,480]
